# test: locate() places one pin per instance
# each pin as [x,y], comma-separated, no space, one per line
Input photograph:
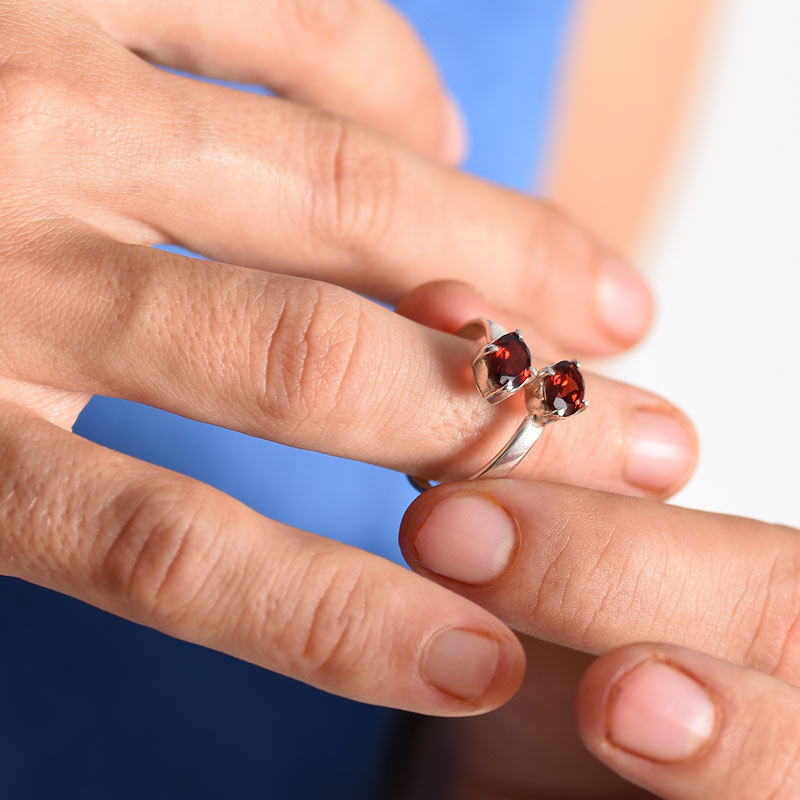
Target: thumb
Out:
[685,725]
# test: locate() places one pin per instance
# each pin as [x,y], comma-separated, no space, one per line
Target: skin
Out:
[613,137]
[591,573]
[296,200]
[103,155]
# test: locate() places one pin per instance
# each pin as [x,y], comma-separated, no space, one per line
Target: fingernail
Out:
[468,538]
[659,452]
[659,712]
[624,301]
[461,663]
[456,138]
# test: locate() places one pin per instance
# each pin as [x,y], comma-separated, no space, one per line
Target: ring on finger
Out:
[502,367]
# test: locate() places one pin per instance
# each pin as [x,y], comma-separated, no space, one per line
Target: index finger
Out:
[310,365]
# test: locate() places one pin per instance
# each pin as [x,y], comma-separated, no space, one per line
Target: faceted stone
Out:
[510,362]
[563,391]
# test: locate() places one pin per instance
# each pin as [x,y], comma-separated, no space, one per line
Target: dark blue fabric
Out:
[94,707]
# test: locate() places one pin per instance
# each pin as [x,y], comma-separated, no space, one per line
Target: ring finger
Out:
[300,362]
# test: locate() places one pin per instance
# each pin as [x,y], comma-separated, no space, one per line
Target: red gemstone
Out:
[563,391]
[510,362]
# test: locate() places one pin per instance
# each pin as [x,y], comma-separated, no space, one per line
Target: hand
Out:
[593,572]
[102,155]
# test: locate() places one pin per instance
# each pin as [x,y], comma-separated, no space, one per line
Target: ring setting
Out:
[502,367]
[561,393]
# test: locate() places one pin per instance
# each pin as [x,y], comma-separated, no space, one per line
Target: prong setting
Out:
[502,367]
[557,392]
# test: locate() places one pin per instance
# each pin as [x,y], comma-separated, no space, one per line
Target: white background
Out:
[723,255]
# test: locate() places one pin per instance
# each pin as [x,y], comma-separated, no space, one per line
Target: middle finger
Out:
[266,183]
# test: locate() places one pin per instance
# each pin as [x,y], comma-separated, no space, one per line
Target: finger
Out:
[358,59]
[685,725]
[448,305]
[656,459]
[594,571]
[300,192]
[529,748]
[299,362]
[170,553]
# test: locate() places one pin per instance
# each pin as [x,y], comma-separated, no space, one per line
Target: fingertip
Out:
[624,302]
[479,670]
[662,451]
[418,511]
[682,723]
[510,673]
[455,133]
[443,304]
[594,689]
[648,712]
[478,665]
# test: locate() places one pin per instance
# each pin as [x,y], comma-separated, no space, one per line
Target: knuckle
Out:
[353,185]
[65,125]
[165,544]
[31,106]
[302,357]
[581,593]
[330,632]
[773,638]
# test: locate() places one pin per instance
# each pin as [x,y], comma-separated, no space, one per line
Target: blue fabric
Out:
[95,707]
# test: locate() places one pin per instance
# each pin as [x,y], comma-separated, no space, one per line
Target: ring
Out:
[502,366]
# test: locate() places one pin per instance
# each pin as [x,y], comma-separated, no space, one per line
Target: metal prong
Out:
[547,371]
[514,386]
[491,348]
[519,333]
[576,363]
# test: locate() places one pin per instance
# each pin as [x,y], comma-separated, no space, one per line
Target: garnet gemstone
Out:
[563,391]
[510,362]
